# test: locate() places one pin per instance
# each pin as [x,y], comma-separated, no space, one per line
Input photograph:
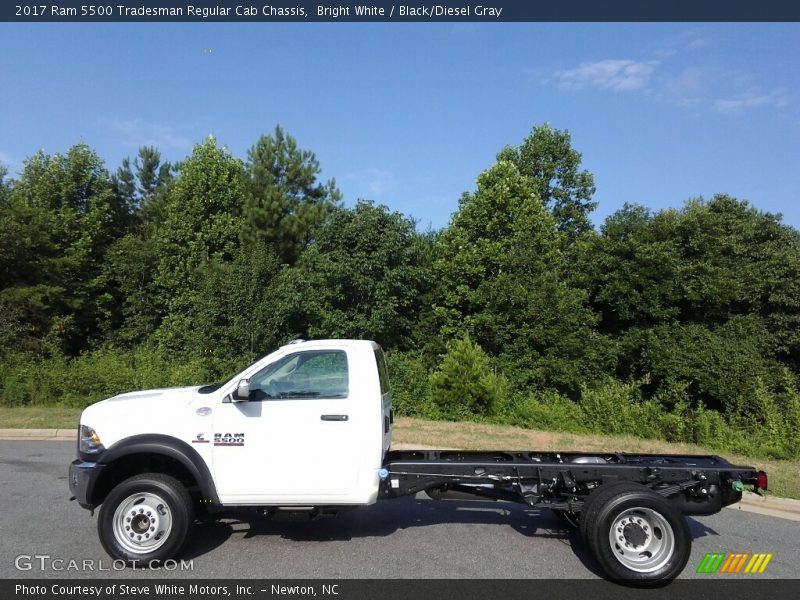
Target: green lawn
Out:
[39,417]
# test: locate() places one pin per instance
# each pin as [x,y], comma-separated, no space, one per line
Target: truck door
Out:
[296,440]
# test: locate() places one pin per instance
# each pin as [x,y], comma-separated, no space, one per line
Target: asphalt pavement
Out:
[410,537]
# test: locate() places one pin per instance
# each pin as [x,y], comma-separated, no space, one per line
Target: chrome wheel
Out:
[142,523]
[641,539]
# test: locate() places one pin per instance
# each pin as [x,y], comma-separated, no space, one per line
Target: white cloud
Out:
[753,98]
[375,181]
[138,132]
[693,87]
[620,75]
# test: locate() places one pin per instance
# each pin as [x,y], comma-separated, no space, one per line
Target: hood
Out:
[153,406]
[162,394]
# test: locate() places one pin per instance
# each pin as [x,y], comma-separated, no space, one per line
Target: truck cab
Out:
[305,427]
[308,424]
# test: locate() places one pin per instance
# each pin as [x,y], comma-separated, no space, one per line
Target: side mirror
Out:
[242,393]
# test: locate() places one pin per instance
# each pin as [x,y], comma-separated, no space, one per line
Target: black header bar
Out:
[452,11]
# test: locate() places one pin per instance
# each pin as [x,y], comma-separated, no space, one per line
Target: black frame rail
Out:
[562,480]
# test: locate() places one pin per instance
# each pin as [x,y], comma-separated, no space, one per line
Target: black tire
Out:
[159,505]
[652,542]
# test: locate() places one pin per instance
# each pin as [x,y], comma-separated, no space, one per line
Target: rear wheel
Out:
[145,518]
[636,535]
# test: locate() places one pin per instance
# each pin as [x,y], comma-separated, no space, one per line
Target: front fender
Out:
[165,445]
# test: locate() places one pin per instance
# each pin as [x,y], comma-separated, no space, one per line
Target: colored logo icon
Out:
[734,562]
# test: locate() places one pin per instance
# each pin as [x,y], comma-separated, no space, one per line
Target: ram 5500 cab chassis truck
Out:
[307,429]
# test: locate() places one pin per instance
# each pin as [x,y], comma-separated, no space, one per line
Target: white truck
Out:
[308,429]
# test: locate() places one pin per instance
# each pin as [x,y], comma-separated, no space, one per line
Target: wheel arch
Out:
[154,452]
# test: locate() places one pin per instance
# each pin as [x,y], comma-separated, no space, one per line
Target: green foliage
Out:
[54,228]
[409,373]
[203,225]
[233,313]
[681,324]
[704,265]
[80,381]
[546,410]
[5,186]
[361,278]
[609,407]
[499,270]
[140,187]
[465,384]
[285,202]
[548,159]
[721,363]
[129,310]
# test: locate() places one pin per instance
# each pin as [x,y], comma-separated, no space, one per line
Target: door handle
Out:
[334,417]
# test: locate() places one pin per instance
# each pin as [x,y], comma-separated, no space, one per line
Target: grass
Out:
[784,475]
[39,417]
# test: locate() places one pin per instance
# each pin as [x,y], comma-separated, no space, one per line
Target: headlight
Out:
[89,441]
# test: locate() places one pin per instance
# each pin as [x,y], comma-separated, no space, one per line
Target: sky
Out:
[408,115]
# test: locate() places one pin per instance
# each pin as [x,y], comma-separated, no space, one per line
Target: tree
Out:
[234,316]
[285,203]
[364,276]
[141,186]
[632,270]
[706,297]
[203,225]
[151,173]
[131,312]
[124,182]
[465,384]
[499,270]
[547,158]
[58,220]
[130,309]
[705,264]
[5,186]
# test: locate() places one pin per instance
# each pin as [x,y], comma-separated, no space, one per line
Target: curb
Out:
[772,506]
[38,434]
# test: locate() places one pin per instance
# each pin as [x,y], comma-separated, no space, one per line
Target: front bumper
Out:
[83,476]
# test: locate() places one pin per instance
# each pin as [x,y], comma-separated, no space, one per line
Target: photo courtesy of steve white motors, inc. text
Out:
[170,589]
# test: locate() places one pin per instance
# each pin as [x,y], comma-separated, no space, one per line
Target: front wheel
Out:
[145,519]
[637,535]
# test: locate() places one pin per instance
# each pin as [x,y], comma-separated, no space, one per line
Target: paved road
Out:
[405,538]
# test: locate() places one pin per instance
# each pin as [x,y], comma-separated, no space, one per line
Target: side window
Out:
[383,371]
[311,374]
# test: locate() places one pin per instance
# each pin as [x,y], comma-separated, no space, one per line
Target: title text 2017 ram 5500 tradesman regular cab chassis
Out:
[308,428]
